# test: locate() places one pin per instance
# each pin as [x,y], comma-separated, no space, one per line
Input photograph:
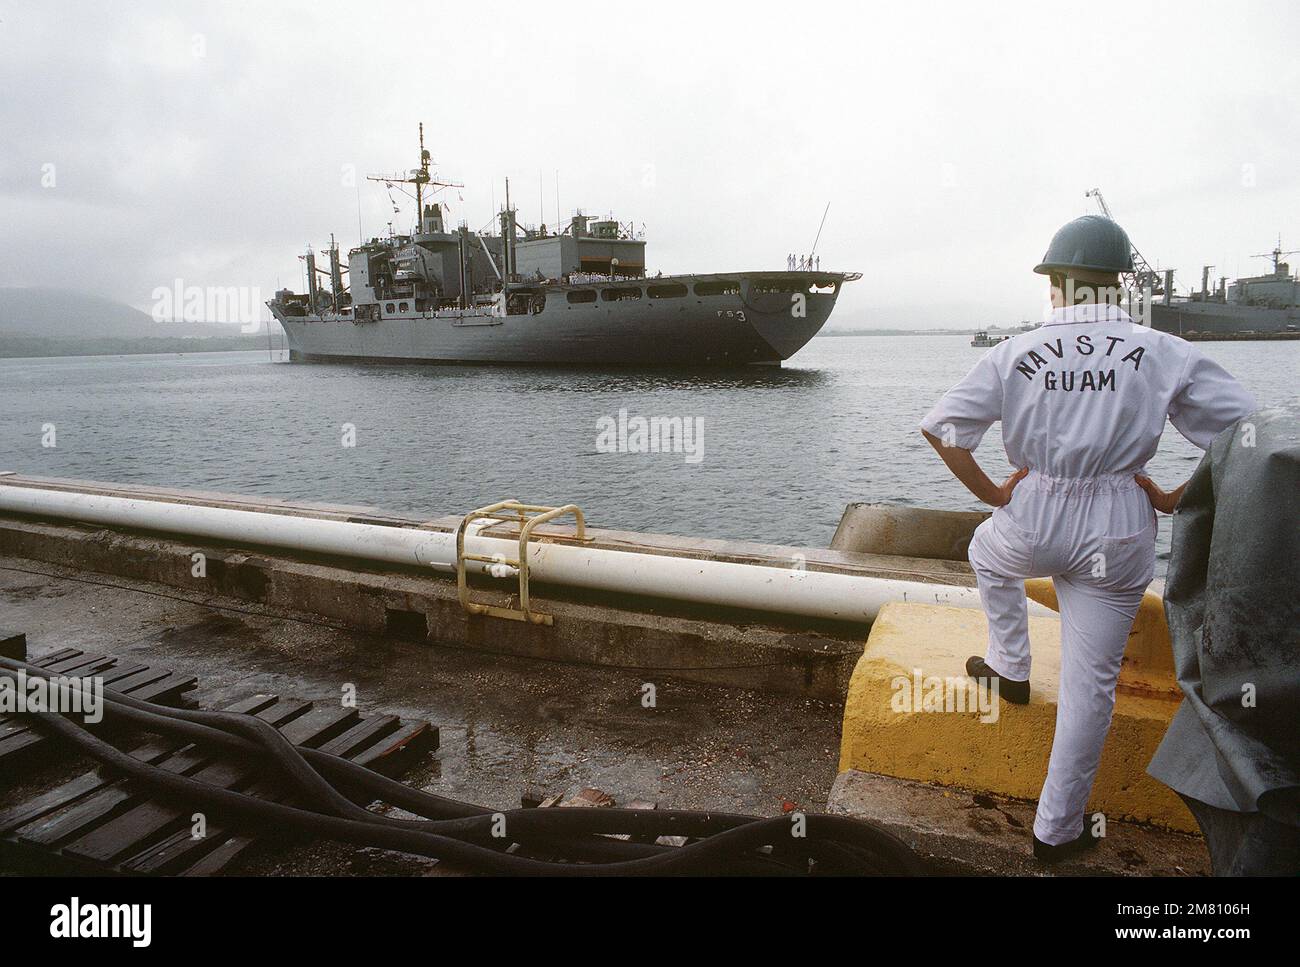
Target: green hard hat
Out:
[1092,242]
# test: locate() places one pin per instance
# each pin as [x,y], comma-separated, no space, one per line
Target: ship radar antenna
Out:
[419,177]
[1277,255]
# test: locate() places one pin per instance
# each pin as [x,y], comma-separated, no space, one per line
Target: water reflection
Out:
[582,379]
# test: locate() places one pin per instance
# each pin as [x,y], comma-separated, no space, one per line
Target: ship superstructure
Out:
[1257,304]
[521,294]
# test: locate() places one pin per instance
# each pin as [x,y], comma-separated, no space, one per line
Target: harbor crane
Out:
[1144,278]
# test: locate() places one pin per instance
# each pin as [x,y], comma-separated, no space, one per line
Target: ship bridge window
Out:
[389,307]
[403,307]
[718,287]
[674,290]
[769,287]
[582,295]
[620,294]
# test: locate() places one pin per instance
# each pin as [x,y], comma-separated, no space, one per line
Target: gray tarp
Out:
[1233,604]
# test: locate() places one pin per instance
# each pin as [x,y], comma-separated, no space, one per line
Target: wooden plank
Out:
[101,822]
[18,723]
[80,665]
[406,736]
[18,745]
[217,860]
[93,810]
[168,690]
[136,679]
[361,736]
[52,655]
[71,791]
[152,819]
[151,684]
[322,724]
[55,657]
[181,852]
[13,644]
[391,754]
[72,819]
[121,670]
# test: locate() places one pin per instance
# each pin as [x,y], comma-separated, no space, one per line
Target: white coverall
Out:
[1083,402]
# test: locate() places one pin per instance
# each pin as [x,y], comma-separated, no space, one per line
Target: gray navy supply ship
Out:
[1253,307]
[1258,306]
[577,296]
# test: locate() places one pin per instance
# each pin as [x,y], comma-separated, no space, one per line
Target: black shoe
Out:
[1017,693]
[1047,853]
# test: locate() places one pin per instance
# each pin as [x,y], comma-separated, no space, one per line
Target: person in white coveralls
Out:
[1083,402]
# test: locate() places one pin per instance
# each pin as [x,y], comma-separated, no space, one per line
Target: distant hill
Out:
[50,313]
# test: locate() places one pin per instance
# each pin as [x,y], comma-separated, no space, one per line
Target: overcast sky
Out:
[211,142]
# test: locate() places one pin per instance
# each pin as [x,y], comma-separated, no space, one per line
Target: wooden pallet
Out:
[20,742]
[99,824]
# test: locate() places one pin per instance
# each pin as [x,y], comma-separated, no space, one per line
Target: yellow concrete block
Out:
[886,732]
[1149,655]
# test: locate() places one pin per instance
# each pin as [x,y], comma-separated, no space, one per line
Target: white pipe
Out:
[814,594]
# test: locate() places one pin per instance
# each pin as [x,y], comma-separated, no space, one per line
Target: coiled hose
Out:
[331,793]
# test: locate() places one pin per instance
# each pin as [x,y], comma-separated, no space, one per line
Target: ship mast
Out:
[419,177]
[422,178]
[1276,255]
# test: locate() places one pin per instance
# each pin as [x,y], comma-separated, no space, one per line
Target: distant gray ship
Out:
[577,296]
[1256,306]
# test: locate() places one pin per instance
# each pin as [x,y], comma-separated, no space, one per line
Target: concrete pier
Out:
[646,699]
[707,644]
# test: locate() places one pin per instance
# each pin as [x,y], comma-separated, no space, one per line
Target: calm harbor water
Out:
[777,456]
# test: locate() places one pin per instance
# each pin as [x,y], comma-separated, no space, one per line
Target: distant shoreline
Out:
[901,332]
[29,347]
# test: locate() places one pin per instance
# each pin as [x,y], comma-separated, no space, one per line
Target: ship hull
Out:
[769,318]
[1218,318]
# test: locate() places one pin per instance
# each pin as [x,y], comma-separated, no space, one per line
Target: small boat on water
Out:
[983,340]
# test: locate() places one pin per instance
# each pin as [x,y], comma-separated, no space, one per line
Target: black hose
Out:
[462,833]
[369,786]
[190,725]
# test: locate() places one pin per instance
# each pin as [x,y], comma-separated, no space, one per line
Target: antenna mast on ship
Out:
[1277,255]
[419,177]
